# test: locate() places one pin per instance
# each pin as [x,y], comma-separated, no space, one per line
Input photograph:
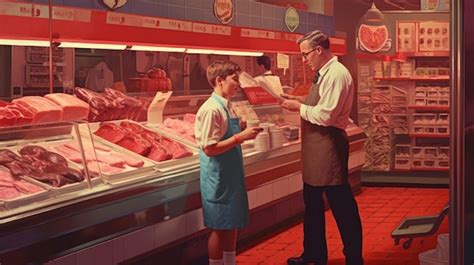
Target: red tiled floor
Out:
[381,210]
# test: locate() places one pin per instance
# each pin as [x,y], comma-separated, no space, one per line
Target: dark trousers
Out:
[345,211]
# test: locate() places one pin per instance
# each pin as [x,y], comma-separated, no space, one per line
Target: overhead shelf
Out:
[429,135]
[413,78]
[429,108]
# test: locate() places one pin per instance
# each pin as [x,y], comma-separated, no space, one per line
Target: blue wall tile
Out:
[279,13]
[243,20]
[79,3]
[242,7]
[256,9]
[279,25]
[267,23]
[176,2]
[302,28]
[210,17]
[143,8]
[312,18]
[55,2]
[267,11]
[256,22]
[195,3]
[176,12]
[303,16]
[194,14]
[162,10]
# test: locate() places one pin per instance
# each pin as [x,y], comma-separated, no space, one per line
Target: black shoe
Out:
[298,261]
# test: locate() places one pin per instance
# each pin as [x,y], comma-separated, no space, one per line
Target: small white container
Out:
[262,141]
[276,138]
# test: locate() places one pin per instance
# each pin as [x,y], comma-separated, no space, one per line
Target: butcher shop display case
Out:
[44,165]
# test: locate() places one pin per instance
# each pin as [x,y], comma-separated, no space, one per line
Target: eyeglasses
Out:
[306,54]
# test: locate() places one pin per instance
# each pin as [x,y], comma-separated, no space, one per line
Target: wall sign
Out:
[224,10]
[113,4]
[292,19]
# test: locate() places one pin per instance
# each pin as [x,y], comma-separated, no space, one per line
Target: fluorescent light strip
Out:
[199,51]
[238,53]
[36,43]
[84,45]
[156,48]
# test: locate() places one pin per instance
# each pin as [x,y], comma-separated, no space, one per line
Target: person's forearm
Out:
[221,147]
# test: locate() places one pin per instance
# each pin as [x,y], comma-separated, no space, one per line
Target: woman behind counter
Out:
[223,193]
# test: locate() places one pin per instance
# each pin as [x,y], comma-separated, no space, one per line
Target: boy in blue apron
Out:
[223,193]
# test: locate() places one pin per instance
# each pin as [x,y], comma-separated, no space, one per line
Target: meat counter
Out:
[141,212]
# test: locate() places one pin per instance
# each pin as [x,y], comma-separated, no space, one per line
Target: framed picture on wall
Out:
[433,36]
[406,36]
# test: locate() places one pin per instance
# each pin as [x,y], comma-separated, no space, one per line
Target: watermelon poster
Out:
[372,33]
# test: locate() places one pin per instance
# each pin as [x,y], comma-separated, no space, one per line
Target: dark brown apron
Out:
[325,150]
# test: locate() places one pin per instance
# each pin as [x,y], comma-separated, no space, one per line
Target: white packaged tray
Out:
[163,166]
[28,199]
[66,189]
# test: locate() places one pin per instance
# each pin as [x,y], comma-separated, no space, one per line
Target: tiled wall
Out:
[248,13]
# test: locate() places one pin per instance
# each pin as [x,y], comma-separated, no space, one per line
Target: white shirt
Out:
[211,121]
[337,93]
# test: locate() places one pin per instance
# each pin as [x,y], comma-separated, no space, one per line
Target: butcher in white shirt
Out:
[325,152]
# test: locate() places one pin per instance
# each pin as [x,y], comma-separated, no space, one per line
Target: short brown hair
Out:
[316,38]
[222,69]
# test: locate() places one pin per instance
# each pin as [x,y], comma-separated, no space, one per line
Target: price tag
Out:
[155,111]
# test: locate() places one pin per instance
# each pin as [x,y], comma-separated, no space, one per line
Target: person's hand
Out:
[249,133]
[243,124]
[287,96]
[293,105]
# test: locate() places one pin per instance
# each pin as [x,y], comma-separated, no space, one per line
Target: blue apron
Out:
[223,193]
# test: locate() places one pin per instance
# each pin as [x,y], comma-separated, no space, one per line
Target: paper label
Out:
[155,111]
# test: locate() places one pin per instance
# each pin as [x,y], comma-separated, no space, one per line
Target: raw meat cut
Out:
[26,187]
[130,161]
[372,38]
[158,153]
[110,158]
[8,193]
[43,109]
[131,126]
[111,132]
[94,166]
[189,117]
[15,115]
[54,158]
[75,147]
[33,150]
[177,150]
[69,173]
[69,153]
[7,156]
[73,108]
[135,143]
[6,184]
[111,105]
